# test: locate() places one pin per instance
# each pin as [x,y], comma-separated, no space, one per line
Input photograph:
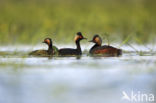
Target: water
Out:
[25,79]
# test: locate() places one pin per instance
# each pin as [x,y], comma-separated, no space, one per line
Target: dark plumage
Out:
[71,51]
[52,50]
[105,49]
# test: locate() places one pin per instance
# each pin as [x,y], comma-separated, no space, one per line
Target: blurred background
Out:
[127,24]
[29,21]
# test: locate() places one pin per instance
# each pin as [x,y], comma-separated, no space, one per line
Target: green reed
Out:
[29,21]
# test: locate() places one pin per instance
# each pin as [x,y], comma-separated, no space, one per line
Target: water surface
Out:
[27,79]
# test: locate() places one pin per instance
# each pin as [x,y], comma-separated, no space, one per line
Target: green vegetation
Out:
[30,21]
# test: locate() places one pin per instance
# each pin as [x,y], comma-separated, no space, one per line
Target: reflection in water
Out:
[83,79]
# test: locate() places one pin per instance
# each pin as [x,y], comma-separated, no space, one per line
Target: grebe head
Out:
[79,37]
[48,41]
[96,39]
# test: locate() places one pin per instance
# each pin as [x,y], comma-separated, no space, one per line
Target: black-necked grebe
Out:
[105,49]
[71,51]
[52,50]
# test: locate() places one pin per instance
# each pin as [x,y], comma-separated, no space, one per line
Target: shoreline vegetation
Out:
[29,21]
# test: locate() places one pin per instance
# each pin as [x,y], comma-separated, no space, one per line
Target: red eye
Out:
[47,41]
[80,37]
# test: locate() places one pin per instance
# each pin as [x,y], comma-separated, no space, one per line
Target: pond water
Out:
[25,79]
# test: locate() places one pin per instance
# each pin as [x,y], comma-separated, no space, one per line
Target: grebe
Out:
[71,51]
[52,50]
[105,50]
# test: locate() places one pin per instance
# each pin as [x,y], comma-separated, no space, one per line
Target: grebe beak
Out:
[85,38]
[90,41]
[43,42]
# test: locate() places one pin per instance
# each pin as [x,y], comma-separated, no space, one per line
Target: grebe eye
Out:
[97,39]
[47,41]
[80,37]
